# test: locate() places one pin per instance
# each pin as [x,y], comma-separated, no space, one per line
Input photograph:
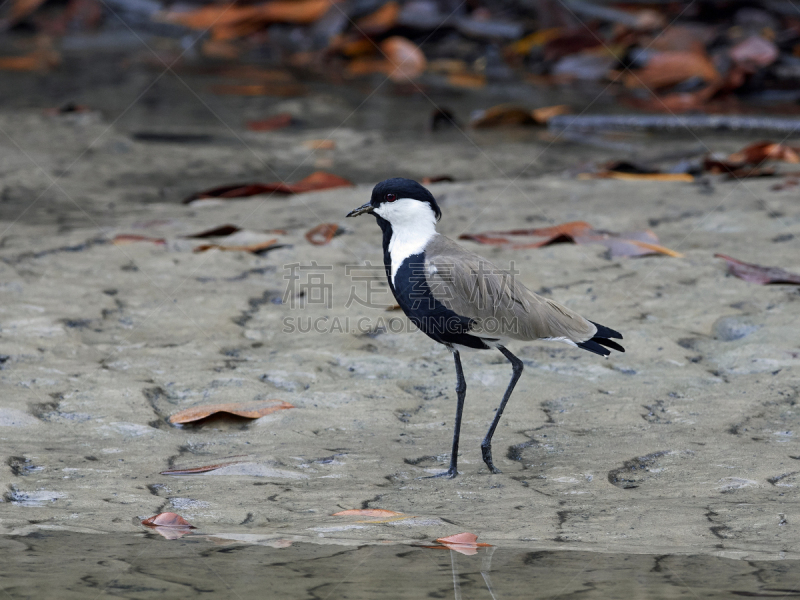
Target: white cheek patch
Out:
[413,226]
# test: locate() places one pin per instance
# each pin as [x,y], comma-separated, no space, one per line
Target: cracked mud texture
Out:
[688,442]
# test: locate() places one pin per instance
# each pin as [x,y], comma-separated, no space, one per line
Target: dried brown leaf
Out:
[319,180]
[544,114]
[247,410]
[260,248]
[197,470]
[665,69]
[758,274]
[280,90]
[622,176]
[367,512]
[129,238]
[380,21]
[319,144]
[463,543]
[220,231]
[758,152]
[467,80]
[168,519]
[406,60]
[322,233]
[271,124]
[501,116]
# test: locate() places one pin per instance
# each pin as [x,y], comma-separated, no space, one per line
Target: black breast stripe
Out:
[433,318]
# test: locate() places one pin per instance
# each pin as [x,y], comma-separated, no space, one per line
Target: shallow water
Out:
[75,565]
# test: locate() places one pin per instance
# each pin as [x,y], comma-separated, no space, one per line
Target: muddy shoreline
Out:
[685,444]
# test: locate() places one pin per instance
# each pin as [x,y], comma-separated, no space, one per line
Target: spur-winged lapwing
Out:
[461,300]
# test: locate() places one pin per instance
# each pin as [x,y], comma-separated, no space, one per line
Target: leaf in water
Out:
[319,180]
[271,124]
[758,274]
[247,410]
[406,60]
[463,543]
[129,238]
[259,249]
[367,512]
[501,116]
[169,525]
[220,231]
[322,234]
[198,470]
[168,519]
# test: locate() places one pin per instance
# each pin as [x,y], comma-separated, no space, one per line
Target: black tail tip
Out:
[601,343]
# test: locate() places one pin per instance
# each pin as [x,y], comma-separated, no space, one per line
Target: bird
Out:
[463,301]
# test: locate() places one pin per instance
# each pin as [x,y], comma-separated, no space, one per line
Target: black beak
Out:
[367,208]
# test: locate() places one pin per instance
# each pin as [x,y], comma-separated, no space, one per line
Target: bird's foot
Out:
[449,474]
[486,451]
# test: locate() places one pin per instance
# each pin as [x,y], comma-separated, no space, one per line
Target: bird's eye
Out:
[390,197]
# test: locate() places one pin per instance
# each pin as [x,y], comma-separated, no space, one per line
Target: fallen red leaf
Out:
[579,232]
[758,274]
[501,116]
[259,249]
[758,152]
[129,238]
[436,179]
[222,16]
[377,22]
[463,543]
[665,69]
[280,90]
[367,512]
[406,59]
[622,176]
[220,231]
[467,80]
[271,124]
[566,232]
[319,144]
[319,180]
[545,113]
[248,410]
[168,519]
[39,60]
[322,234]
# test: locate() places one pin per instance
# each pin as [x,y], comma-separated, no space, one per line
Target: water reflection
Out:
[75,565]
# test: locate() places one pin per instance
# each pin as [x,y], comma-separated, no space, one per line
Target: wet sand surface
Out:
[685,444]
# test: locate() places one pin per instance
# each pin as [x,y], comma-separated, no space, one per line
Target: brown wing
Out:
[473,287]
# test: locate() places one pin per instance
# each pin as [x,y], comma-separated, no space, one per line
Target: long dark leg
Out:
[486,444]
[461,392]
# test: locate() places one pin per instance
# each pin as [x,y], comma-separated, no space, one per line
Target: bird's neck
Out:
[404,239]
